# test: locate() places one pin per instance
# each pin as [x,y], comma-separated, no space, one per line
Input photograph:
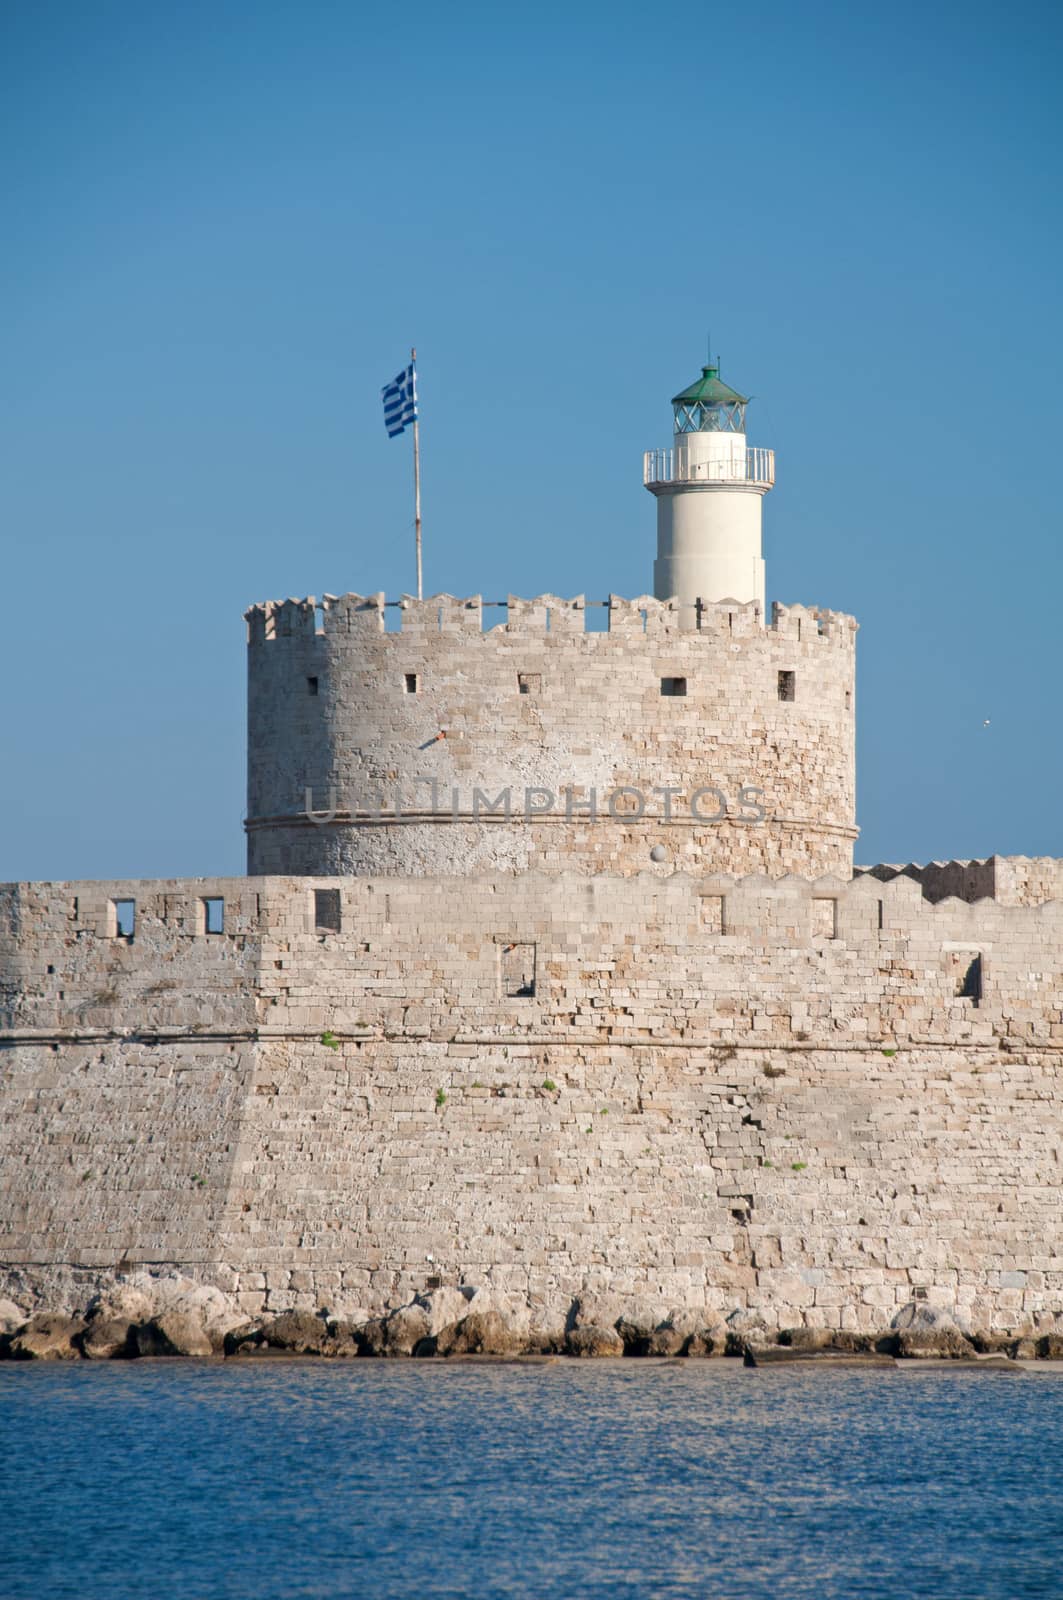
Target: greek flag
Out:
[400,402]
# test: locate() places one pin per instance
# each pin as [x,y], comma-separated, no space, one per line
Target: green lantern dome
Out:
[709,406]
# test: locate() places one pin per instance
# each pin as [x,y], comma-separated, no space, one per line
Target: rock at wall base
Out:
[12,1317]
[592,1340]
[481,1333]
[293,1333]
[406,1330]
[943,1343]
[46,1337]
[108,1339]
[173,1333]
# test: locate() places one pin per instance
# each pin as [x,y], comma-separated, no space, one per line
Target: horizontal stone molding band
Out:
[1015,1047]
[422,818]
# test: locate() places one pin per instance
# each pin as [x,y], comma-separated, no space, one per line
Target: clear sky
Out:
[224,225]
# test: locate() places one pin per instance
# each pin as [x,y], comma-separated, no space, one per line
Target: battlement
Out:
[1009,880]
[344,615]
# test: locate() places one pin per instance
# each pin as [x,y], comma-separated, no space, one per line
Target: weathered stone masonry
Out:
[341,707]
[819,1098]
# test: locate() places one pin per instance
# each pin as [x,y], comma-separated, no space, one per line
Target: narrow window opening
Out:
[824,918]
[644,615]
[530,682]
[848,699]
[673,686]
[51,972]
[970,987]
[125,918]
[517,971]
[213,914]
[311,685]
[548,619]
[410,683]
[787,685]
[881,915]
[327,910]
[319,619]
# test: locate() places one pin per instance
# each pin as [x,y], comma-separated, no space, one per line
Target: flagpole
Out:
[417,489]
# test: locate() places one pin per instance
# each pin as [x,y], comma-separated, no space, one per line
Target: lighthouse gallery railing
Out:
[675,466]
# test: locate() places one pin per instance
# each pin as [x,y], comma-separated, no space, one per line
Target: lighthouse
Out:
[709,487]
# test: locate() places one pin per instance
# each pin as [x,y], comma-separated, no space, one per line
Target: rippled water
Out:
[690,1479]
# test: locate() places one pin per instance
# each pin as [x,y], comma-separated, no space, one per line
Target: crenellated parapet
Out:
[340,615]
[1010,880]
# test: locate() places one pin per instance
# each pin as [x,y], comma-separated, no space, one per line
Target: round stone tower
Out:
[709,487]
[447,736]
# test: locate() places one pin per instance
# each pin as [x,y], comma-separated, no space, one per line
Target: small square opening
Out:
[530,682]
[125,918]
[327,910]
[673,686]
[787,685]
[410,683]
[311,686]
[213,914]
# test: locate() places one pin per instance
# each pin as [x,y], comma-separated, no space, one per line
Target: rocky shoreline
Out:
[150,1315]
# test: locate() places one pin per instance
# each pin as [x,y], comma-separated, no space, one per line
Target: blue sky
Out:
[225,224]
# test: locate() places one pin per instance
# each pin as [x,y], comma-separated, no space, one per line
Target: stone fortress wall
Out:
[817,1099]
[342,706]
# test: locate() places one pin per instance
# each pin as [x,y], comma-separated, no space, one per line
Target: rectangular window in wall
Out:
[824,918]
[327,910]
[517,970]
[410,683]
[787,685]
[673,686]
[530,682]
[213,914]
[966,971]
[123,918]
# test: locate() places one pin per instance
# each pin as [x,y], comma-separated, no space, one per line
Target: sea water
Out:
[188,1480]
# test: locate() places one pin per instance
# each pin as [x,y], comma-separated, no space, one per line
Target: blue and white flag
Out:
[400,402]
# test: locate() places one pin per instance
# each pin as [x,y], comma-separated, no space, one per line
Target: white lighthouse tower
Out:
[709,487]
